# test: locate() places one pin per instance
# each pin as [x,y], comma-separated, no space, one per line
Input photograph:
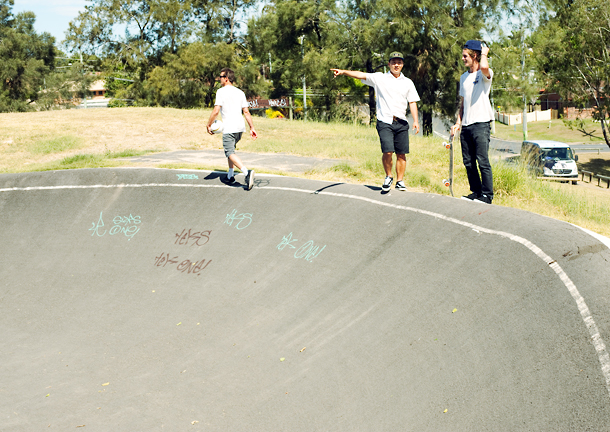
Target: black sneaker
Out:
[230,179]
[473,196]
[401,186]
[250,179]
[387,184]
[484,199]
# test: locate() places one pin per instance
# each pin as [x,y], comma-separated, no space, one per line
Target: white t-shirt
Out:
[232,101]
[475,88]
[393,95]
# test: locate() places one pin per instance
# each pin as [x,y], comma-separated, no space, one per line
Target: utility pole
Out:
[523,84]
[304,83]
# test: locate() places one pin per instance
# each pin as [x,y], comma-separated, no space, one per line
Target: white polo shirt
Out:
[232,101]
[393,95]
[475,88]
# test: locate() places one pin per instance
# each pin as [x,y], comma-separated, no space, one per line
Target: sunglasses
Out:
[222,76]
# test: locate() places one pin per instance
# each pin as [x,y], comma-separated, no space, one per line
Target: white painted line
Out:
[585,313]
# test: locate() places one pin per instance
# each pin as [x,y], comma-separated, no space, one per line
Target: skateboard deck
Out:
[449,181]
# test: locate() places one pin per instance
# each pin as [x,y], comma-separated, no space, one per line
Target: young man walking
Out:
[231,103]
[475,115]
[393,94]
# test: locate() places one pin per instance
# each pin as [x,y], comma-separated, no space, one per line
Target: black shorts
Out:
[394,137]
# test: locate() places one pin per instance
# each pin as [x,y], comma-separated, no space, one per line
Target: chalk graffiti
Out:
[240,218]
[188,266]
[122,225]
[187,176]
[198,238]
[308,250]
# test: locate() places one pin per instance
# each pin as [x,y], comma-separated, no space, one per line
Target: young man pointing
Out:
[393,94]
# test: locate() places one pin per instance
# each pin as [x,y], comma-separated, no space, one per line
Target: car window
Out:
[557,153]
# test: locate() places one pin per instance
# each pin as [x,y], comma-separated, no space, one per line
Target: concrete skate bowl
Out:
[144,300]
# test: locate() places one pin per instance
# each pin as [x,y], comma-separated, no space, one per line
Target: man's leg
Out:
[386,159]
[229,141]
[401,166]
[481,136]
[401,147]
[469,159]
[386,138]
[235,161]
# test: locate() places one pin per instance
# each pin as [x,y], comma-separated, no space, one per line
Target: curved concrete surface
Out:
[146,299]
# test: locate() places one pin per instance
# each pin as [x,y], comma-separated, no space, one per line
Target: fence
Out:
[599,178]
[514,119]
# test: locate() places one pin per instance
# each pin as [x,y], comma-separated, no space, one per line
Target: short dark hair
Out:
[474,54]
[229,74]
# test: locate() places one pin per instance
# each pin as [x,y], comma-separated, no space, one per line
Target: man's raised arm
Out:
[352,74]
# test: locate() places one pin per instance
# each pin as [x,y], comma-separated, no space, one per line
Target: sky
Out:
[52,16]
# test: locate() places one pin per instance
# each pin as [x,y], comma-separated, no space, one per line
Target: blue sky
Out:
[52,16]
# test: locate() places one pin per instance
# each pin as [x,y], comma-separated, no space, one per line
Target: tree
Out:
[26,58]
[188,78]
[579,67]
[515,71]
[156,45]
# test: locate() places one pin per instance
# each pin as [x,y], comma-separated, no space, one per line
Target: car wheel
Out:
[575,182]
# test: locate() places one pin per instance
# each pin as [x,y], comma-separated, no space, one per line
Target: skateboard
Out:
[449,181]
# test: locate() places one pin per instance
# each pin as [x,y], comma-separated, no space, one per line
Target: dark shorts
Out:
[394,137]
[229,141]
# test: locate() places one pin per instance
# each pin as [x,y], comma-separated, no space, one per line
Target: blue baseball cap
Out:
[474,45]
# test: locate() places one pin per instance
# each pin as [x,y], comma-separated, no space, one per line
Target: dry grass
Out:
[92,138]
[553,130]
[98,131]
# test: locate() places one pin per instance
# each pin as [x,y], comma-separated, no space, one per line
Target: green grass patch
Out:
[127,153]
[556,130]
[55,144]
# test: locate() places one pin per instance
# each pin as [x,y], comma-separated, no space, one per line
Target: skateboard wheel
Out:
[447,145]
[447,182]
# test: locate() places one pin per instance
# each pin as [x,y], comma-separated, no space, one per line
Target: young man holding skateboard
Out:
[474,117]
[393,94]
[231,103]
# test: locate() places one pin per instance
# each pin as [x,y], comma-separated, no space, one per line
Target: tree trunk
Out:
[605,129]
[372,104]
[426,122]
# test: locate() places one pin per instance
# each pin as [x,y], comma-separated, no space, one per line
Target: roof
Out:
[548,143]
[98,85]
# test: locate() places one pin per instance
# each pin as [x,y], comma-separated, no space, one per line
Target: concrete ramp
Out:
[145,300]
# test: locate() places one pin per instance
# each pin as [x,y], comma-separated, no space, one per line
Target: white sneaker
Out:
[250,179]
[387,184]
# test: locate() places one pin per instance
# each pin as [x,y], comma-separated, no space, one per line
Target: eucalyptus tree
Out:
[133,32]
[27,66]
[137,37]
[576,44]
[293,41]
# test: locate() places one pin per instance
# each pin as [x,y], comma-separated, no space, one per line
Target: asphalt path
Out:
[152,299]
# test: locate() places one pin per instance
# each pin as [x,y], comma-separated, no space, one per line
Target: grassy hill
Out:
[70,139]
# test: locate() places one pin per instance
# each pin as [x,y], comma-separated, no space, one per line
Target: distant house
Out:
[98,96]
[98,89]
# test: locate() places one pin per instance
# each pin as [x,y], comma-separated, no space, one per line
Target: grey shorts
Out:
[394,137]
[229,141]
